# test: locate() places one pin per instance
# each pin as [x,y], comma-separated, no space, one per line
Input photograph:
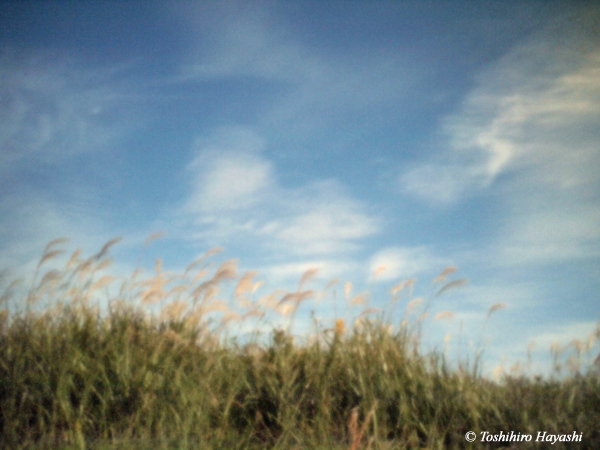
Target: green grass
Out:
[134,376]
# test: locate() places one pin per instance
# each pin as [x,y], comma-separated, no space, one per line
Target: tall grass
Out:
[154,367]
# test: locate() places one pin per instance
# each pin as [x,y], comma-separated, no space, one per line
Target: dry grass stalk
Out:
[178,290]
[360,299]
[556,348]
[173,311]
[74,258]
[447,271]
[102,265]
[340,327]
[310,273]
[379,270]
[231,317]
[286,309]
[244,302]
[402,285]
[245,284]
[368,311]
[452,285]
[200,260]
[199,275]
[152,295]
[574,364]
[210,289]
[227,270]
[174,336]
[356,434]
[444,315]
[9,291]
[297,297]
[49,255]
[153,237]
[216,305]
[83,268]
[331,283]
[255,312]
[50,277]
[499,372]
[104,281]
[156,286]
[578,345]
[591,341]
[412,304]
[347,290]
[53,242]
[496,307]
[270,301]
[106,247]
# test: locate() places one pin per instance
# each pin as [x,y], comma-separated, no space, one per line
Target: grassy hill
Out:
[131,376]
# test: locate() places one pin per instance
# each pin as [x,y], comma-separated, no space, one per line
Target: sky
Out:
[374,141]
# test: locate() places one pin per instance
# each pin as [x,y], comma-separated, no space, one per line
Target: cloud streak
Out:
[533,110]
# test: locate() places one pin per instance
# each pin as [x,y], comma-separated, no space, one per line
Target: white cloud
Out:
[235,181]
[229,175]
[235,195]
[326,227]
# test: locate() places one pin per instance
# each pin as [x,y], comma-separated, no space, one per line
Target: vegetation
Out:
[156,369]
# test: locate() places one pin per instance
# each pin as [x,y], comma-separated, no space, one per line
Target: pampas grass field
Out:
[88,361]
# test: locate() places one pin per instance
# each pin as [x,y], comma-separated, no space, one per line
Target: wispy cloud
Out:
[543,125]
[529,132]
[532,116]
[315,87]
[238,39]
[52,108]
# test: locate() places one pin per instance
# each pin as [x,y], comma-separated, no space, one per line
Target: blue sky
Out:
[343,136]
